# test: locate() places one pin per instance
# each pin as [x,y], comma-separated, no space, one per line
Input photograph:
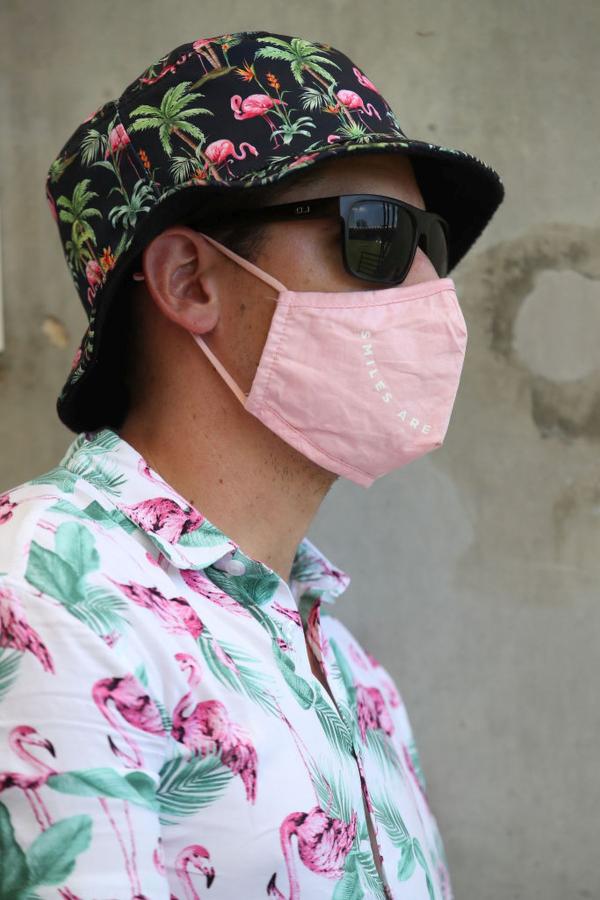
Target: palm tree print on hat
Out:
[75,210]
[171,118]
[304,57]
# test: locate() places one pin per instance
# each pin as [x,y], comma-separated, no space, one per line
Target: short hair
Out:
[246,238]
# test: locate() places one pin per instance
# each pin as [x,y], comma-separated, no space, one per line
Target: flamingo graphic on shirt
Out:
[164,517]
[324,843]
[372,710]
[6,508]
[325,833]
[202,585]
[16,632]
[131,700]
[208,729]
[178,616]
[20,737]
[193,855]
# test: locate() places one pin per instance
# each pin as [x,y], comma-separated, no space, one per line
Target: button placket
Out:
[314,636]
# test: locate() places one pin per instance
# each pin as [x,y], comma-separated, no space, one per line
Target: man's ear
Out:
[181,271]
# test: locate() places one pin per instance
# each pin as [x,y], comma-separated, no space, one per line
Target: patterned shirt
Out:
[162,732]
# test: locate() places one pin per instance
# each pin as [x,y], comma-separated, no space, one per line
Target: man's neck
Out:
[250,484]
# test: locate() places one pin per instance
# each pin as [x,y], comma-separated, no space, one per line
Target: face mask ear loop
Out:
[221,369]
[250,267]
[254,270]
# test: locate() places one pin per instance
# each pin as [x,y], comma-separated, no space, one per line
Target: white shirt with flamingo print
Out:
[162,733]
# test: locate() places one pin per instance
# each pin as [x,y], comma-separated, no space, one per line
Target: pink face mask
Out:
[360,382]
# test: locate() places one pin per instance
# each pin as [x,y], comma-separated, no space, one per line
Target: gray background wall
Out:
[475,570]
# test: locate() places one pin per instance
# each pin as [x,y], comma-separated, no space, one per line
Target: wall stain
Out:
[56,331]
[499,280]
[575,497]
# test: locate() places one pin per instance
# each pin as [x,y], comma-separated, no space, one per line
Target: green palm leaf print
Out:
[190,783]
[386,813]
[332,794]
[62,574]
[302,690]
[381,746]
[110,518]
[341,670]
[106,478]
[349,887]
[101,611]
[248,679]
[9,665]
[206,535]
[137,787]
[61,477]
[254,588]
[50,859]
[368,873]
[335,730]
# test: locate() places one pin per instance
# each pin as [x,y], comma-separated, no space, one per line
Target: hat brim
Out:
[455,184]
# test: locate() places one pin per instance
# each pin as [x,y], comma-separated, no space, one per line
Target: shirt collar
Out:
[180,531]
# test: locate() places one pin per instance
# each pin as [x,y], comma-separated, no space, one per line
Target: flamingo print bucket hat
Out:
[224,113]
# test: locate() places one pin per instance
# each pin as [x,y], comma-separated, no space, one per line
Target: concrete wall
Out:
[475,570]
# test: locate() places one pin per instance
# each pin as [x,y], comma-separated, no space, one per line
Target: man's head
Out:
[190,286]
[212,120]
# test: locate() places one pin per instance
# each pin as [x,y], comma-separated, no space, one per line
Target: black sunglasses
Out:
[381,234]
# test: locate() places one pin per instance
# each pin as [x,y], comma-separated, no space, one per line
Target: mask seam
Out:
[367,304]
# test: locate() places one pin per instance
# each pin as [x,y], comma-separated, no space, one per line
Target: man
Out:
[181,711]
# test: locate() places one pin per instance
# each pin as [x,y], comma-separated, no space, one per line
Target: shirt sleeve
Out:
[81,744]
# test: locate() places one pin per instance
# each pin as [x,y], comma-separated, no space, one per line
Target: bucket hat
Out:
[226,113]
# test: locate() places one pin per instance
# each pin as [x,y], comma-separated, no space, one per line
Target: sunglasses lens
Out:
[379,239]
